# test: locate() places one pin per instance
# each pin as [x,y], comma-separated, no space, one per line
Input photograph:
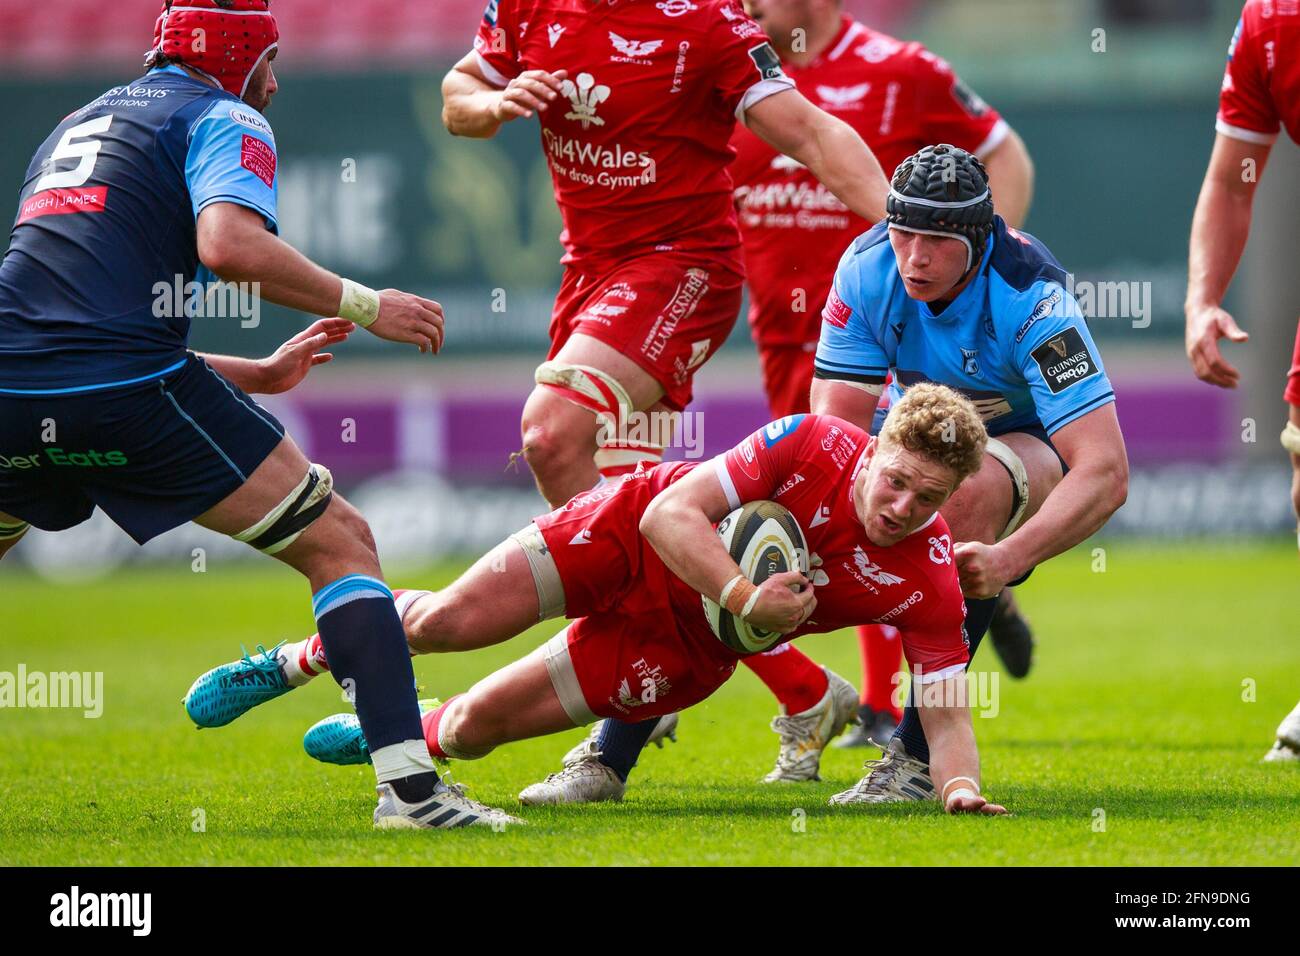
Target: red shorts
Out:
[1292,393]
[787,377]
[640,646]
[666,311]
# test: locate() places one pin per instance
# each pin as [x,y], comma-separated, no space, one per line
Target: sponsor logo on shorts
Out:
[837,313]
[646,687]
[58,458]
[685,299]
[941,549]
[1065,360]
[258,158]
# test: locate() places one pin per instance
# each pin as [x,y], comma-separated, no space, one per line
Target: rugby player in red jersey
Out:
[898,96]
[636,102]
[628,561]
[1259,96]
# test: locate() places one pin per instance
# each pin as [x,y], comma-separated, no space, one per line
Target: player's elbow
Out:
[1112,481]
[652,519]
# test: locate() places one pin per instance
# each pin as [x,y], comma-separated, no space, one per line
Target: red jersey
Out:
[808,464]
[899,97]
[638,142]
[1261,85]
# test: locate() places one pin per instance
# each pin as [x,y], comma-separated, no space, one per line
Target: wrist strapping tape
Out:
[359,304]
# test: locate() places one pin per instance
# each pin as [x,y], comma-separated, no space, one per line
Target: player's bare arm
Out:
[828,146]
[234,243]
[472,106]
[1220,228]
[1093,490]
[954,757]
[1011,178]
[679,524]
[852,401]
[289,364]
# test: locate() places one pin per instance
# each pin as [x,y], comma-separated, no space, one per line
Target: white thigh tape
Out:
[1011,461]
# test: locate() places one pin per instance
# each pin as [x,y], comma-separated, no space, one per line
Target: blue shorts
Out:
[153,456]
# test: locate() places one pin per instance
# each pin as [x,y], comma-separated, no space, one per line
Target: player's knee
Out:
[469,727]
[347,524]
[434,625]
[551,450]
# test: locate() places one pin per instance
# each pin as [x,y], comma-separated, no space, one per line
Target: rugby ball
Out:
[764,539]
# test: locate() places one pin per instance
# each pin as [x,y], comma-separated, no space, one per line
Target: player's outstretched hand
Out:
[982,569]
[780,607]
[1205,326]
[408,318]
[958,803]
[528,93]
[295,358]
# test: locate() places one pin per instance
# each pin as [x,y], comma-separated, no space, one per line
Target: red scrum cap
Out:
[223,39]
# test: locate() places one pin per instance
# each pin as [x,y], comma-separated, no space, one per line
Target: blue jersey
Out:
[105,232]
[1013,341]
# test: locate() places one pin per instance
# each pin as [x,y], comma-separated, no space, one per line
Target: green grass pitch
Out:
[1139,717]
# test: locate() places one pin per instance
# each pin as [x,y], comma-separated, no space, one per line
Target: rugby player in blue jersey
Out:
[945,291]
[170,180]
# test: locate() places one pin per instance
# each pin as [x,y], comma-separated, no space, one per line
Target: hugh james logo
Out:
[74,908]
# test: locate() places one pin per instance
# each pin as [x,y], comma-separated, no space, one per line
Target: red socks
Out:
[431,720]
[882,657]
[796,679]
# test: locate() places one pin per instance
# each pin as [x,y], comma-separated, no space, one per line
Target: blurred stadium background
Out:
[1115,99]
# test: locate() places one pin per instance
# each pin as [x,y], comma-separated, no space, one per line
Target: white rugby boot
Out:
[447,809]
[665,729]
[584,779]
[805,735]
[1287,746]
[895,778]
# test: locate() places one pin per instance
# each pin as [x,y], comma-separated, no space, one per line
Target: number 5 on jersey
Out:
[85,152]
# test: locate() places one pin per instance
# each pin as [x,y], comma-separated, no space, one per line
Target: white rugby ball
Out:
[764,539]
